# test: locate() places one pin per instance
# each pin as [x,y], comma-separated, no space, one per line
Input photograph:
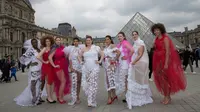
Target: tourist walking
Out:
[187,55]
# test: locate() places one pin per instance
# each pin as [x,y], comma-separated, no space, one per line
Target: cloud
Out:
[102,17]
[37,1]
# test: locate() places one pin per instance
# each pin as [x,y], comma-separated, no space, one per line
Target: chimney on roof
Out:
[186,28]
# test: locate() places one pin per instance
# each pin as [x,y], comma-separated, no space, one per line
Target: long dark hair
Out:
[108,36]
[88,37]
[123,34]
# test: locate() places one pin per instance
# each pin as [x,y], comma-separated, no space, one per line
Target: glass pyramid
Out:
[143,25]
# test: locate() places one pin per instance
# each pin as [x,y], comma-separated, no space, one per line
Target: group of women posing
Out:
[126,70]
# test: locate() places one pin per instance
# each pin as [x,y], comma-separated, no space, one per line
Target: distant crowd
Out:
[8,69]
[189,56]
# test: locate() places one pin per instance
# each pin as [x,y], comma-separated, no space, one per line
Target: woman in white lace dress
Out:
[32,93]
[90,70]
[138,92]
[110,65]
[126,50]
[75,68]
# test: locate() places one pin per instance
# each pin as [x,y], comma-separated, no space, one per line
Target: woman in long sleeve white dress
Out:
[90,70]
[32,93]
[110,65]
[138,91]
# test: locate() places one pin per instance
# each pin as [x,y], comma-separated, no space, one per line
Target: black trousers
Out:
[186,63]
[6,76]
[150,71]
[23,68]
[196,60]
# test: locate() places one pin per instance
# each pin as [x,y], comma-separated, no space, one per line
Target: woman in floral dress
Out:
[110,65]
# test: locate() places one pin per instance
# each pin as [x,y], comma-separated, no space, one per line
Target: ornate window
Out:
[23,37]
[11,36]
[196,40]
[20,14]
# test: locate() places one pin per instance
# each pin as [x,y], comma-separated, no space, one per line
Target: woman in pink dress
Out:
[168,73]
[47,73]
[125,50]
[59,62]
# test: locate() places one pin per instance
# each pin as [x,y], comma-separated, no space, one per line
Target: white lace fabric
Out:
[121,81]
[90,73]
[138,92]
[73,56]
[110,68]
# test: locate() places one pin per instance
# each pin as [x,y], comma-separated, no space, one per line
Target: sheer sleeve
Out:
[67,50]
[98,48]
[141,43]
[26,58]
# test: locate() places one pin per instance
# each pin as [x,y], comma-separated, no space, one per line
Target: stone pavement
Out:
[187,101]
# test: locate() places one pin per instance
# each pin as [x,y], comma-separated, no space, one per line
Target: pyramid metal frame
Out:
[143,25]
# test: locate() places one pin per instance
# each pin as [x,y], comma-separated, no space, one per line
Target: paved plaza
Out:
[188,101]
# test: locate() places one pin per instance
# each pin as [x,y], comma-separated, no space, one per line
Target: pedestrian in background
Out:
[13,70]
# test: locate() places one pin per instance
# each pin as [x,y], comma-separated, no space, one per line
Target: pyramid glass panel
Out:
[143,25]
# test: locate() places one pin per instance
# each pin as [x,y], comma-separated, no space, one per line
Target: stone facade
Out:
[188,37]
[99,41]
[17,24]
[67,30]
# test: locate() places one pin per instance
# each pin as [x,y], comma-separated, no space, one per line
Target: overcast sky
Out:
[103,17]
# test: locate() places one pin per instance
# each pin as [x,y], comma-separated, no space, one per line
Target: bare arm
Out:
[140,53]
[166,42]
[51,59]
[130,48]
[39,56]
[80,59]
[116,51]
[70,65]
[102,56]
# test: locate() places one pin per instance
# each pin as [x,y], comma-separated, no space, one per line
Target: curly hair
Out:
[159,26]
[43,40]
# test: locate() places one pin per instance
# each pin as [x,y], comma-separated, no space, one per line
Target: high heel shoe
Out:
[168,101]
[61,102]
[50,102]
[115,98]
[110,102]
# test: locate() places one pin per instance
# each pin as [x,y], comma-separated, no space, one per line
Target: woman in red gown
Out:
[168,73]
[47,42]
[59,62]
